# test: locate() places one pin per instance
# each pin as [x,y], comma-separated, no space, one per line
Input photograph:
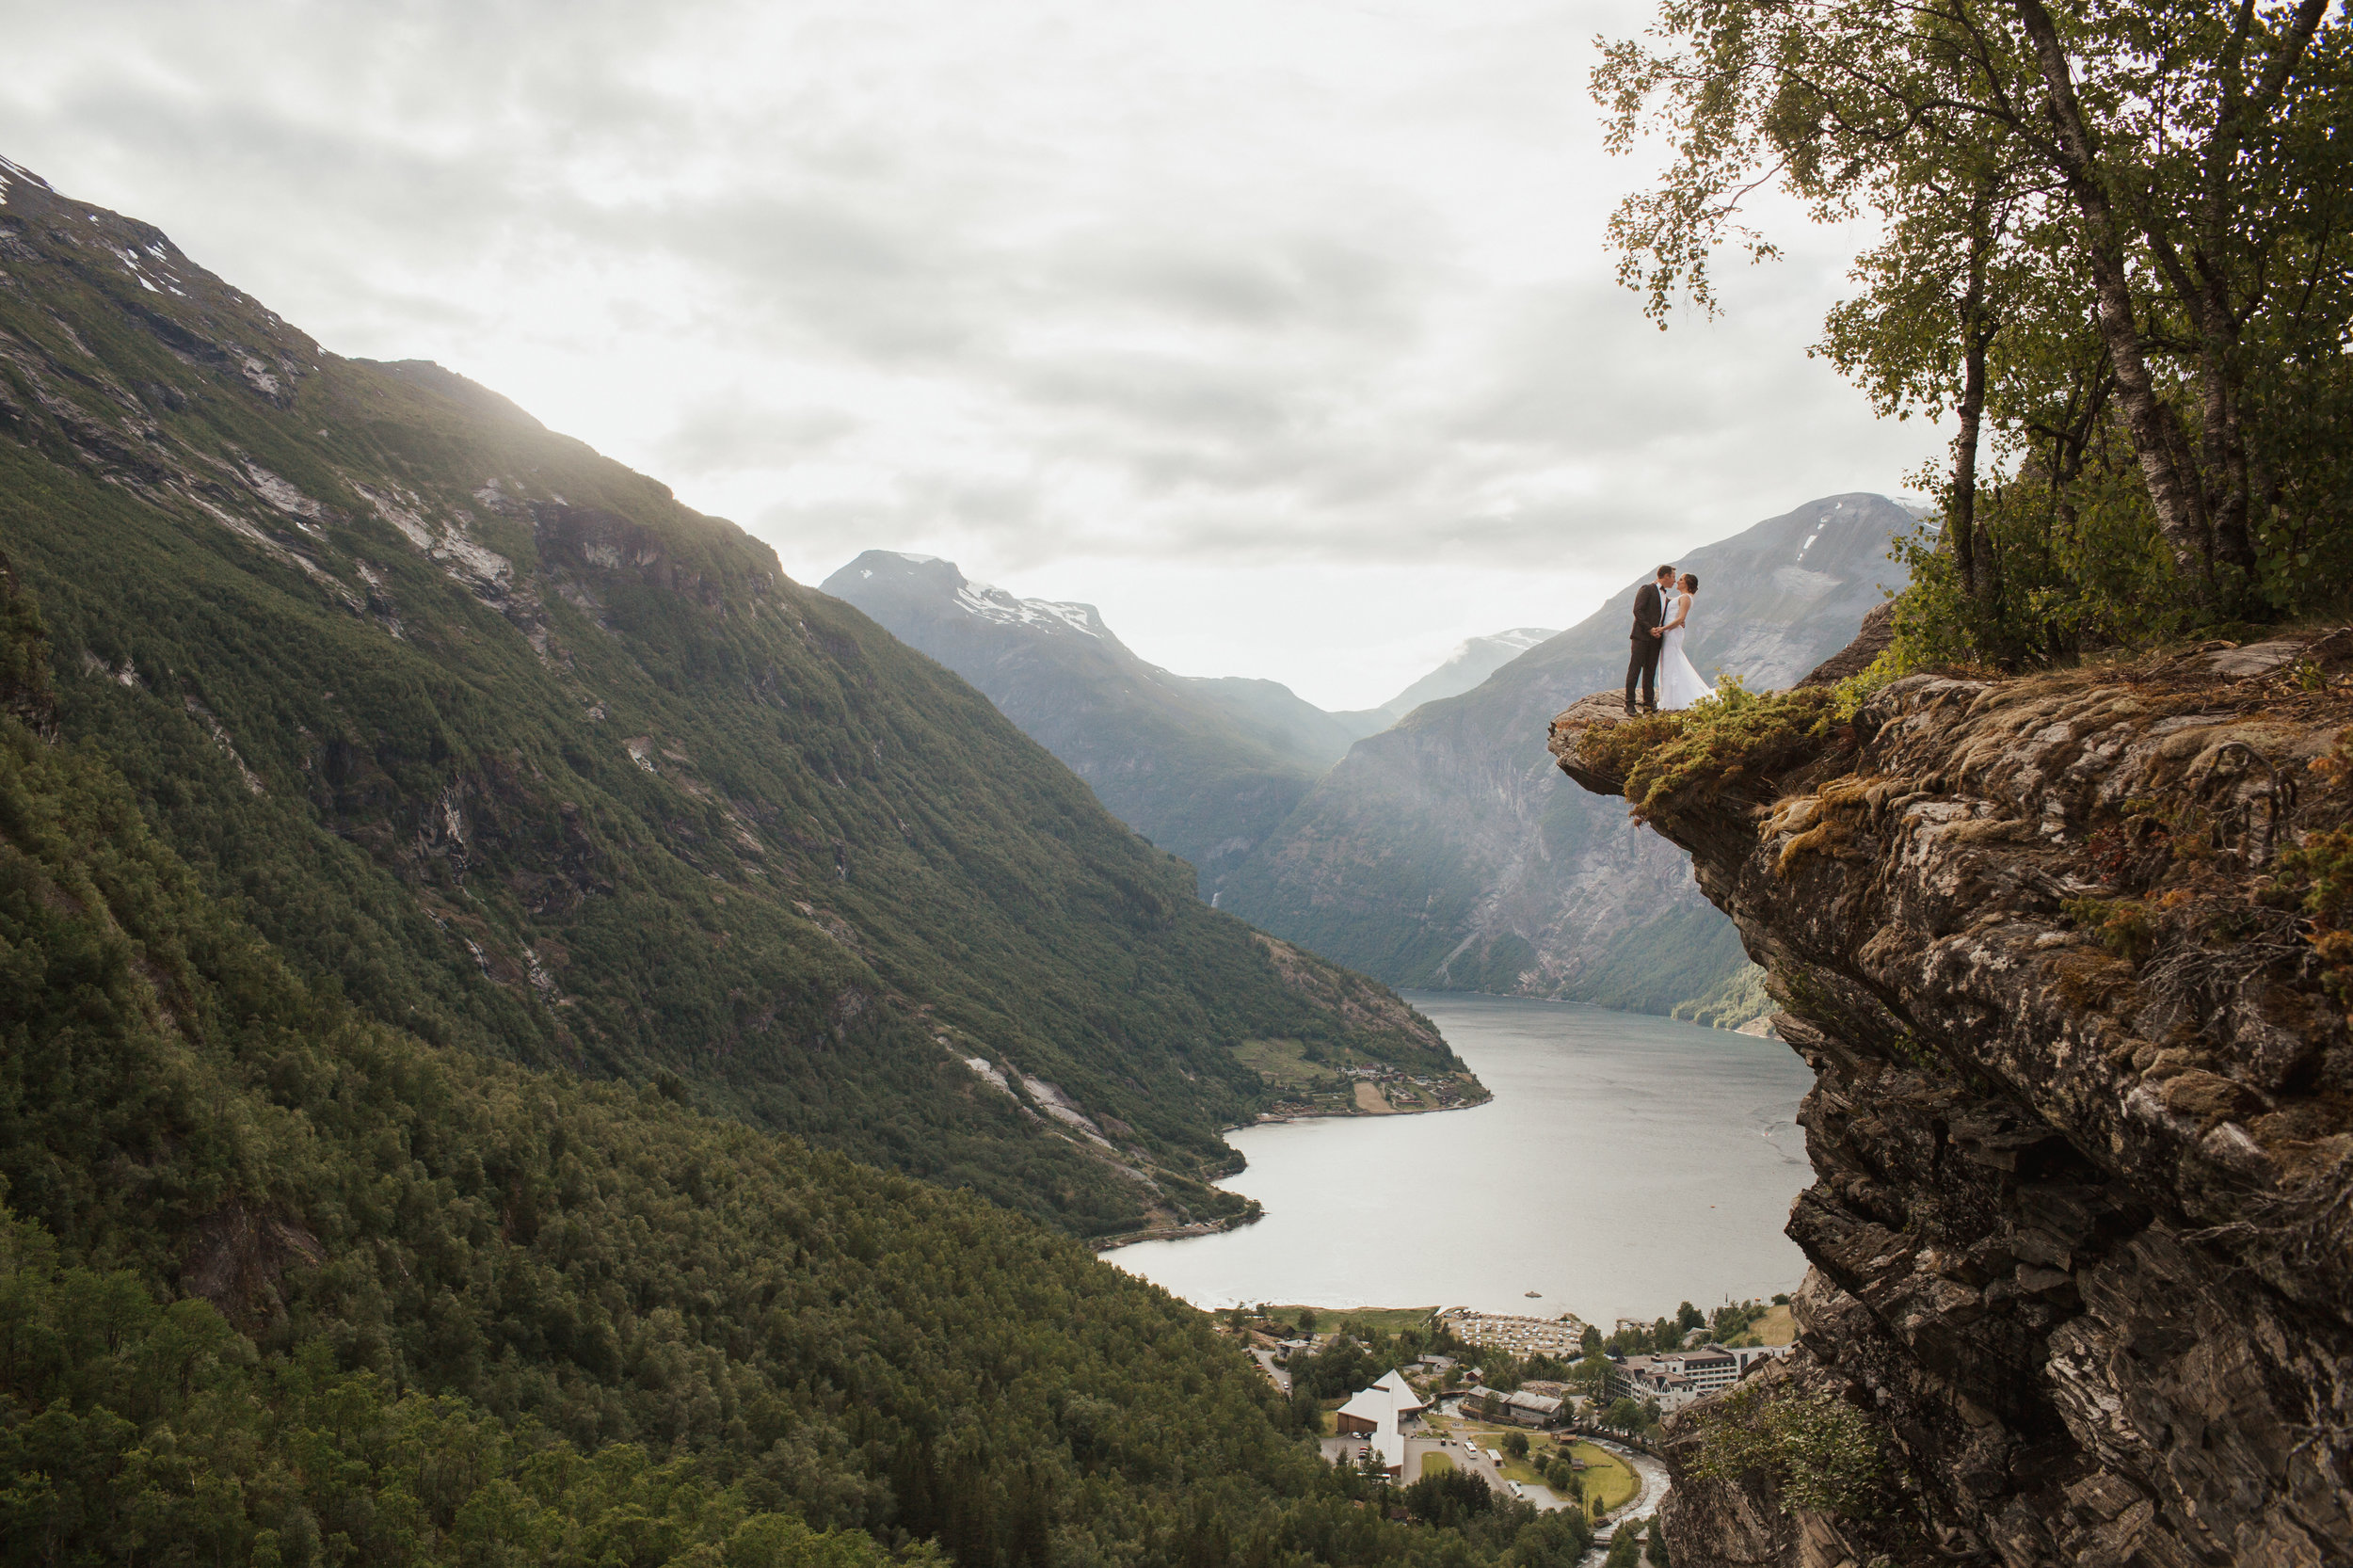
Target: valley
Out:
[1429,841]
[577,990]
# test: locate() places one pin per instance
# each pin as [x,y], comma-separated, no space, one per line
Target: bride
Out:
[1679,685]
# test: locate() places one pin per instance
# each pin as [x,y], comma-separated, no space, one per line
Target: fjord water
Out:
[1625,1164]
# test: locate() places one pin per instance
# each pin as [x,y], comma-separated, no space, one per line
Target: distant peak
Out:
[1519,640]
[930,575]
[900,563]
[975,599]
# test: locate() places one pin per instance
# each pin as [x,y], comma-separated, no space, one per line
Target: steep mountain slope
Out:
[494,737]
[283,1286]
[2069,956]
[1446,853]
[1203,768]
[1465,669]
[1279,717]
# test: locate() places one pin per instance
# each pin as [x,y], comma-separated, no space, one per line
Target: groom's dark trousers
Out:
[1649,610]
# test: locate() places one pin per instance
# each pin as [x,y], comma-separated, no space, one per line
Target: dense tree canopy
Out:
[282,1285]
[2113,241]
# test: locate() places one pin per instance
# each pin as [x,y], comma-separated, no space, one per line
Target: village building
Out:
[1379,1415]
[1675,1377]
[1707,1368]
[1522,1408]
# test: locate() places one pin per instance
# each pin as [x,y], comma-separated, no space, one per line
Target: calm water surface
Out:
[1626,1163]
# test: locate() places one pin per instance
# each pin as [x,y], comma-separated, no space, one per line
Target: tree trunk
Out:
[1976,574]
[2165,466]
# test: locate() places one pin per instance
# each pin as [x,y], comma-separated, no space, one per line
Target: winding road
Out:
[1653,1477]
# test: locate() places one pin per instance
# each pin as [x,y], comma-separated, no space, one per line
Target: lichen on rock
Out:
[2061,951]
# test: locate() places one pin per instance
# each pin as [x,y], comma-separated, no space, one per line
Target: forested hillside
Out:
[498,745]
[282,1285]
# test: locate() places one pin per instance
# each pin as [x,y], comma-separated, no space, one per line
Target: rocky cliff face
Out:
[2082,1239]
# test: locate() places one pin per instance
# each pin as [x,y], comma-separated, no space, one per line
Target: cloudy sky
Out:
[1282,330]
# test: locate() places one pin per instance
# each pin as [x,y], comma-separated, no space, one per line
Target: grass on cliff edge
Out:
[1733,737]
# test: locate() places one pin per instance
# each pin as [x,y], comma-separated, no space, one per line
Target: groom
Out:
[1650,609]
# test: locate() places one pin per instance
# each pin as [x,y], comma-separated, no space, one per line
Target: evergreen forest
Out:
[280,1283]
[530,1039]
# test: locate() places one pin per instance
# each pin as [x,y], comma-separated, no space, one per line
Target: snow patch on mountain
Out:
[979,600]
[995,605]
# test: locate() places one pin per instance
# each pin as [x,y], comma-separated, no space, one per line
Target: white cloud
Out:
[1226,315]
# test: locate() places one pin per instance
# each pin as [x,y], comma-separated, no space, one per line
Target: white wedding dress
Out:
[1679,685]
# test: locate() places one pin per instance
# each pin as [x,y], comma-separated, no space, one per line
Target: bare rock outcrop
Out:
[2082,1227]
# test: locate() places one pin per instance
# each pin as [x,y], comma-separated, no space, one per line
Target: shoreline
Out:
[1271,1118]
[1192,1228]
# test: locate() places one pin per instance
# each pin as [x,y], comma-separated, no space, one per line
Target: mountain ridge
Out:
[494,736]
[1201,767]
[1446,852]
[284,1287]
[1466,668]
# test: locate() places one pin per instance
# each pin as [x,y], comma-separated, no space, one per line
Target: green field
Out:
[1284,1063]
[1388,1320]
[1607,1478]
[1435,1464]
[1513,1469]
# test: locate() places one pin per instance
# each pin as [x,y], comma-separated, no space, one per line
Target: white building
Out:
[1707,1366]
[1379,1415]
[1675,1377]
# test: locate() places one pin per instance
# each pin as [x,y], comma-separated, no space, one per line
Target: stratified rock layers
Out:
[2084,1184]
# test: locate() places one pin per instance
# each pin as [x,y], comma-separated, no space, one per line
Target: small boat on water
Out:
[1537,1293]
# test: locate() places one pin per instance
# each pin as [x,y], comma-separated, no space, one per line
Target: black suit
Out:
[1650,609]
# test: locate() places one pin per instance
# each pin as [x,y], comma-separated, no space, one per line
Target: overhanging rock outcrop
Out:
[2082,1227]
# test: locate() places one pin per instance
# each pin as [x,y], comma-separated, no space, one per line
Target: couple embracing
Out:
[1662,608]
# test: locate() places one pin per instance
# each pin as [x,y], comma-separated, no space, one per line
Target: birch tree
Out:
[2176,166]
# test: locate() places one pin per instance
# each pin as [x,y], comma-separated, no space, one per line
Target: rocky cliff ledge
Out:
[2059,951]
